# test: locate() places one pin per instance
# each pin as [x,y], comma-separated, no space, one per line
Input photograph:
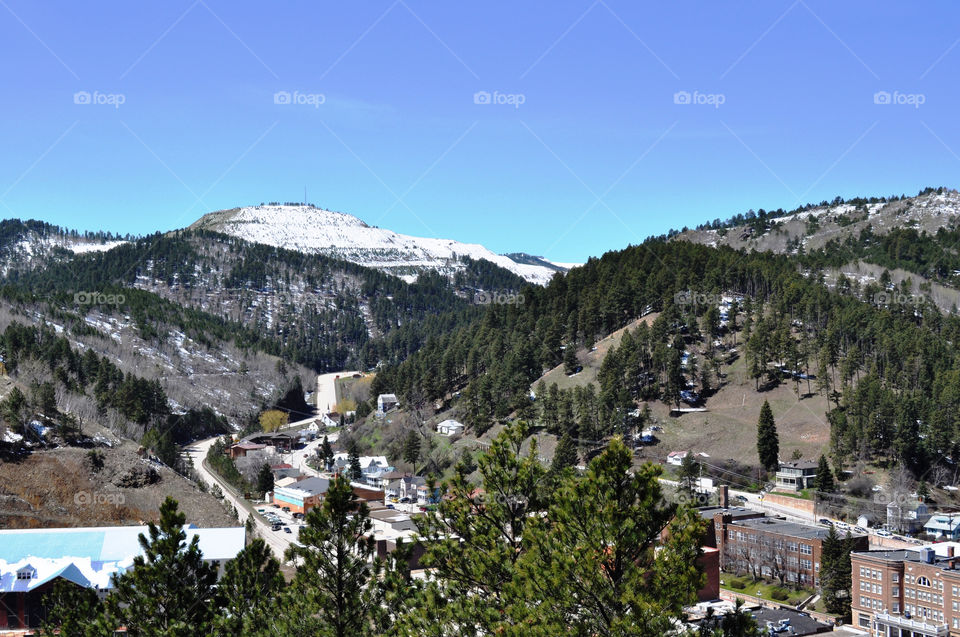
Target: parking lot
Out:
[276,515]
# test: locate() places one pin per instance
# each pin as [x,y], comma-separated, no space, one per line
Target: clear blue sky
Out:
[597,156]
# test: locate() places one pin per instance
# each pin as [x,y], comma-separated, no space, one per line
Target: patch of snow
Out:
[83,248]
[314,230]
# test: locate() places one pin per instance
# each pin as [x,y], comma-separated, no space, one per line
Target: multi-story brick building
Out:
[772,548]
[907,593]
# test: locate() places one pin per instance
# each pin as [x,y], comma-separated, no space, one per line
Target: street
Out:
[278,541]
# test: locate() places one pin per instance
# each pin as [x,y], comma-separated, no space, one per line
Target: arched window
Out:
[923,581]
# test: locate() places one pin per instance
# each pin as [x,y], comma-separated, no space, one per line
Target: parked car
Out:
[825,522]
[740,498]
[286,529]
[390,506]
[404,500]
[882,533]
[859,529]
[287,509]
[277,526]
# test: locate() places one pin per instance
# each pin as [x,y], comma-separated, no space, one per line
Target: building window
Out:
[923,581]
[806,549]
[896,607]
[864,621]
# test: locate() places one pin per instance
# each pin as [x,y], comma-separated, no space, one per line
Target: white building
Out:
[386,402]
[450,428]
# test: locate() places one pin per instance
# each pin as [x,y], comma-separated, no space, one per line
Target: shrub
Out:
[779,594]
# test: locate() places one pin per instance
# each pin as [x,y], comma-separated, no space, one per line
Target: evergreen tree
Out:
[824,480]
[570,360]
[326,454]
[565,455]
[265,479]
[592,569]
[74,610]
[169,589]
[836,573]
[354,471]
[689,472]
[411,448]
[768,443]
[336,591]
[476,538]
[247,592]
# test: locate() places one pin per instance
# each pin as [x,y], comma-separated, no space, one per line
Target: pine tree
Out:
[836,573]
[768,443]
[477,537]
[326,454]
[247,592]
[169,589]
[355,471]
[689,472]
[336,590]
[570,360]
[265,479]
[411,448]
[824,480]
[599,537]
[74,610]
[565,455]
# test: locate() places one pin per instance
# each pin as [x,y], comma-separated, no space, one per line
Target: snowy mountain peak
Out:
[309,229]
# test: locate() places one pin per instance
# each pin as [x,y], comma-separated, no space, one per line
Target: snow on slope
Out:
[314,230]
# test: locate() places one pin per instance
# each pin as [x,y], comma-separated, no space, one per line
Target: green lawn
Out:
[765,590]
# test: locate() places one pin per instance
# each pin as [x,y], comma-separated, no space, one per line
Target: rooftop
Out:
[794,529]
[799,464]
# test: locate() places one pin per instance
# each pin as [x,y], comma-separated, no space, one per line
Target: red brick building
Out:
[914,593]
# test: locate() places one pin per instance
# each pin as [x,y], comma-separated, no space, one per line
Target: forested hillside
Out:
[891,370]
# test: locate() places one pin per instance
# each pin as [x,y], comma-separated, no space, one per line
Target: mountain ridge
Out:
[310,229]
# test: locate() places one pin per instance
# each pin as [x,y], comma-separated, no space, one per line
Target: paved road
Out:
[298,457]
[278,541]
[327,391]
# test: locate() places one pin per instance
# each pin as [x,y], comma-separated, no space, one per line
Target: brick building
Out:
[750,542]
[910,593]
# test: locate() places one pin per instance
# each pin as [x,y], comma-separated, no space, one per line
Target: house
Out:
[282,441]
[284,470]
[286,482]
[32,560]
[450,428]
[341,461]
[386,402]
[905,519]
[425,497]
[796,475]
[375,476]
[404,488]
[241,449]
[945,525]
[676,457]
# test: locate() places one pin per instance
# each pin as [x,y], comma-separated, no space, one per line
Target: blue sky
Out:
[583,147]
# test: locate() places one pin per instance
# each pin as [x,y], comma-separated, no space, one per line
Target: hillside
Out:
[313,230]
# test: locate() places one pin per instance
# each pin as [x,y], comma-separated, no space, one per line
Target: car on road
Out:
[825,522]
[390,506]
[740,498]
[883,533]
[287,509]
[286,529]
[277,526]
[404,500]
[859,529]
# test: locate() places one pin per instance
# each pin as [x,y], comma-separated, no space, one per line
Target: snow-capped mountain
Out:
[306,228]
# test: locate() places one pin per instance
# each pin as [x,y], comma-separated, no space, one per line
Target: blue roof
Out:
[18,546]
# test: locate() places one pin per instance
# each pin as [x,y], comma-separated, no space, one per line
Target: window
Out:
[806,549]
[896,591]
[894,577]
[864,621]
[923,581]
[896,607]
